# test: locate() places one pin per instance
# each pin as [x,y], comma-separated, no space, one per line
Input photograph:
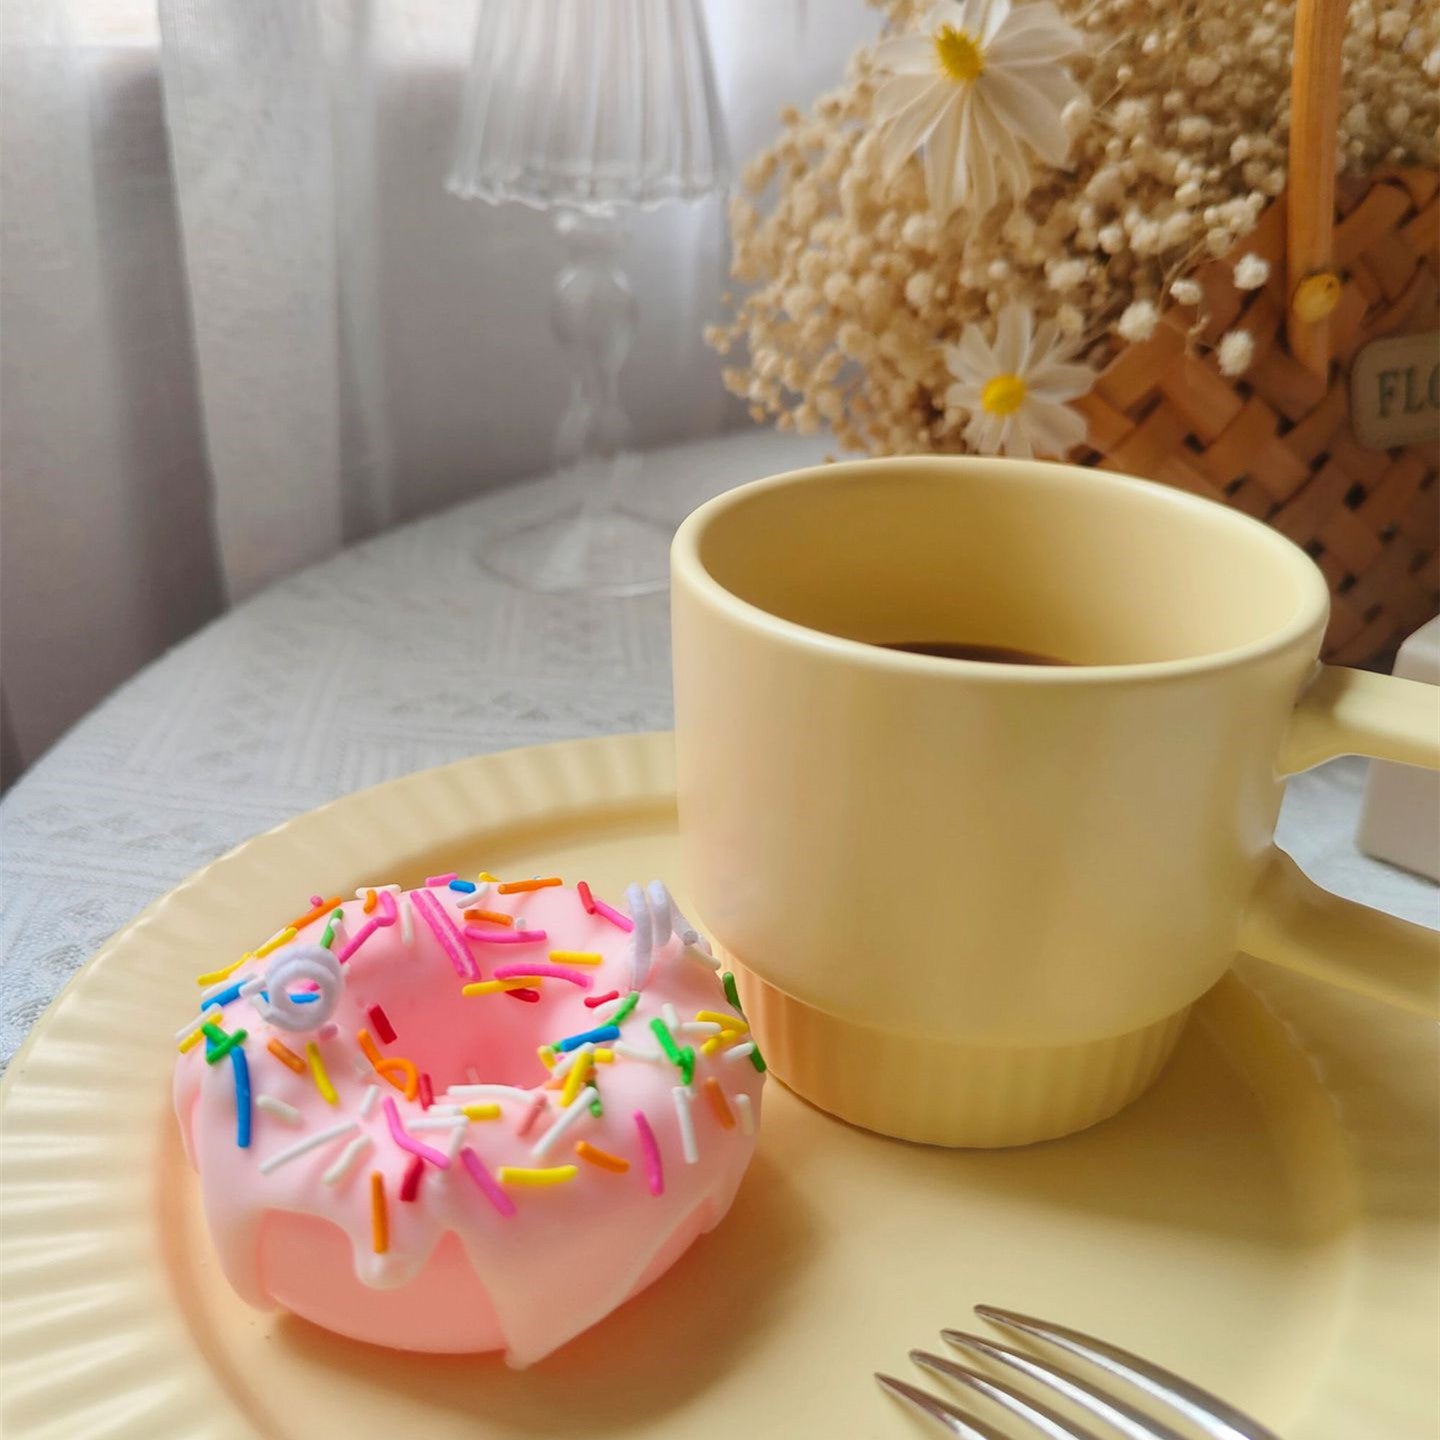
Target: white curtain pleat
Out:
[259,101]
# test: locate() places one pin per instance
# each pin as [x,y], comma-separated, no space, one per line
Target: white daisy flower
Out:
[985,77]
[1016,389]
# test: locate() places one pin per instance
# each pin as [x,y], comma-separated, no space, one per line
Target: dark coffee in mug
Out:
[962,650]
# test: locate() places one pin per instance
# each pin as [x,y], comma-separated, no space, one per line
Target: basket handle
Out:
[1312,286]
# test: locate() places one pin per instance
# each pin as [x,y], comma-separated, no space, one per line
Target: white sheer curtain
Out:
[272,131]
[243,323]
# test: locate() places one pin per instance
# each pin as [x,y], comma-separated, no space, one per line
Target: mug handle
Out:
[1291,920]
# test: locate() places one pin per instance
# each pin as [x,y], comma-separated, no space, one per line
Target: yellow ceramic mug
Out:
[971,903]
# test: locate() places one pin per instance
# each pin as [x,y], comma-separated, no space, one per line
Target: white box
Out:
[1400,820]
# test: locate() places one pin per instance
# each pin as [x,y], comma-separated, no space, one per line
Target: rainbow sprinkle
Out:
[281,937]
[624,922]
[410,1185]
[445,932]
[464,887]
[379,1215]
[388,915]
[241,1068]
[346,1162]
[319,1074]
[328,938]
[622,1010]
[495,917]
[654,1169]
[718,1104]
[577,1112]
[576,1077]
[616,1164]
[586,898]
[554,1175]
[310,1142]
[286,1056]
[520,887]
[505,937]
[280,1109]
[406,1141]
[725,1022]
[496,987]
[222,1044]
[747,1114]
[531,972]
[597,1036]
[381,1021]
[681,1096]
[592,1001]
[485,1183]
[731,993]
[434,881]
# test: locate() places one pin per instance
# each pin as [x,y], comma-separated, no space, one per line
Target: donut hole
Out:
[460,1040]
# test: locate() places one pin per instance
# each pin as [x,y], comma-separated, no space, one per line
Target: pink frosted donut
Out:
[469,1100]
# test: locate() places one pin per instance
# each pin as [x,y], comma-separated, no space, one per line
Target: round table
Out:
[398,654]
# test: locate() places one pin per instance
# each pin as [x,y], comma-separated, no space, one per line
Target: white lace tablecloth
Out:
[346,675]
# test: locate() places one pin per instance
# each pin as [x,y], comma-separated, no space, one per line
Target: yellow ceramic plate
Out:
[1263,1220]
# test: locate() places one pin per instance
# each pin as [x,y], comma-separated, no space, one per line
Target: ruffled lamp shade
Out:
[589,108]
[590,103]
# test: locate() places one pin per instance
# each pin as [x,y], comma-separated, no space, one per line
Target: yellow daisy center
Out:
[959,55]
[1003,395]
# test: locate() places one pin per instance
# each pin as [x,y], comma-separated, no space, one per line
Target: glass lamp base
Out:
[581,550]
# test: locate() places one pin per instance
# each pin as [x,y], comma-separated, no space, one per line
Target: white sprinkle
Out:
[688,934]
[738,1052]
[456,1140]
[451,1110]
[634,1052]
[251,987]
[222,985]
[367,1102]
[578,1108]
[206,1017]
[310,1142]
[348,1156]
[565,1061]
[698,1027]
[681,1096]
[694,952]
[488,1092]
[407,920]
[746,1112]
[279,1109]
[436,1122]
[672,1020]
[359,1064]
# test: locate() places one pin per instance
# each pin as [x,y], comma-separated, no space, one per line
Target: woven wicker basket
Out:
[1279,442]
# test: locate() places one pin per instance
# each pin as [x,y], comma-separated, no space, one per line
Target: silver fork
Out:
[1209,1414]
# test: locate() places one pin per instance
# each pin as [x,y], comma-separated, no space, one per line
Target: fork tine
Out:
[1130,1422]
[956,1420]
[1045,1420]
[1207,1412]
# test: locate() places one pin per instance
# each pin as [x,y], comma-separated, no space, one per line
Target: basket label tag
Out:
[1395,391]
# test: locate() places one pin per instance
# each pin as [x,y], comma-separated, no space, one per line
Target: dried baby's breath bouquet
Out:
[944,252]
